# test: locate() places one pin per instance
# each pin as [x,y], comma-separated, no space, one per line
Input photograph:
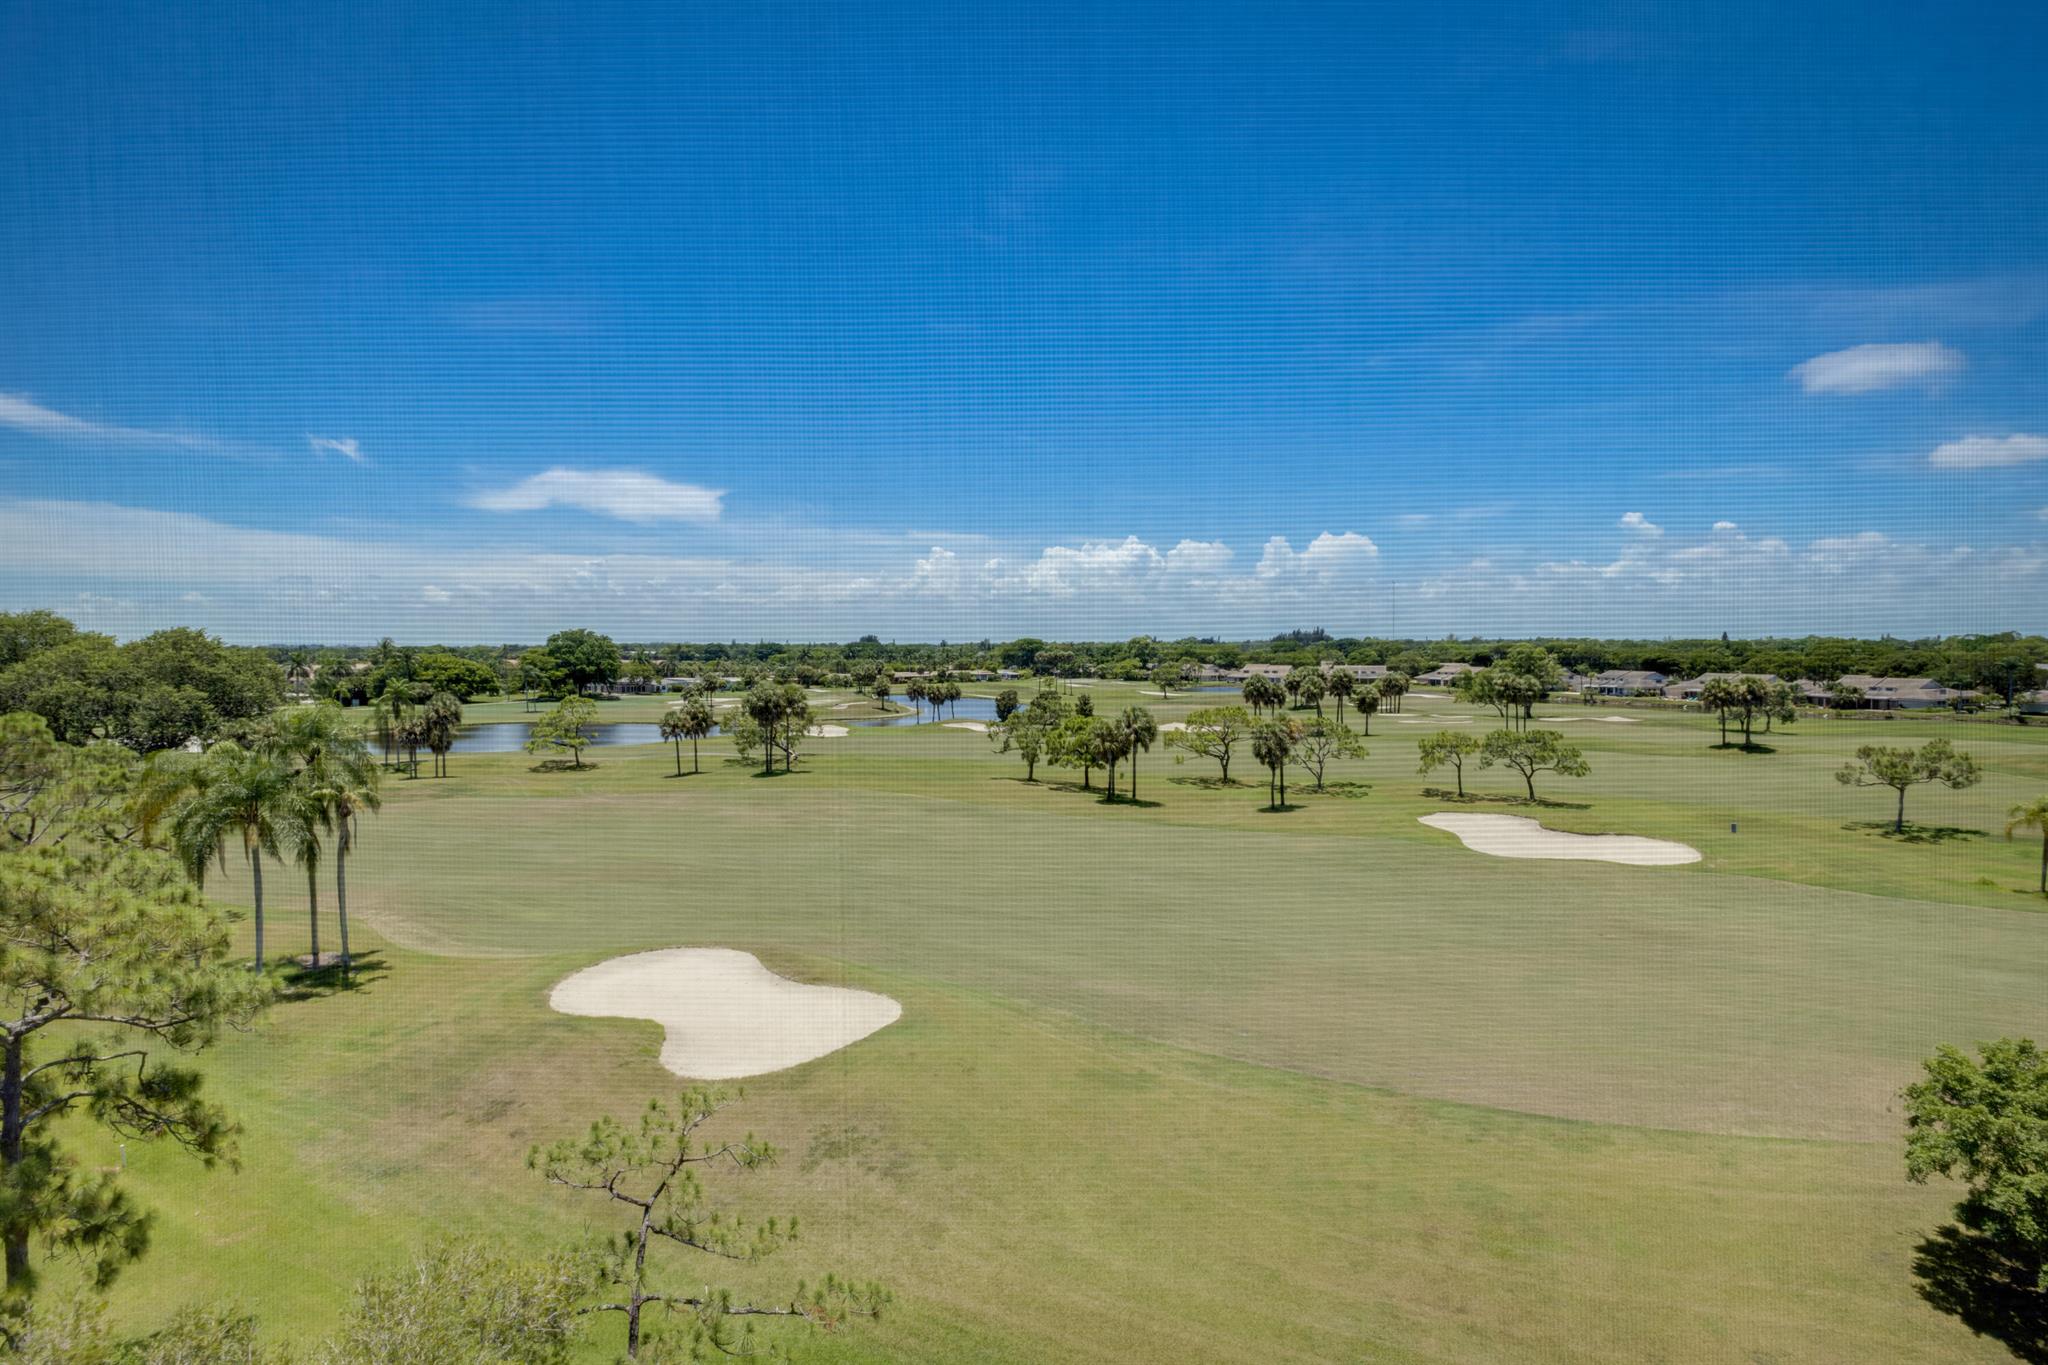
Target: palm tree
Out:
[1342,684]
[2032,815]
[697,721]
[1273,745]
[247,792]
[327,757]
[348,793]
[441,722]
[1140,732]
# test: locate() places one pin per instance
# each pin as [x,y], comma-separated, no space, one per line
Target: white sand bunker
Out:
[1173,725]
[725,1014]
[973,725]
[827,732]
[1515,836]
[1434,720]
[1621,720]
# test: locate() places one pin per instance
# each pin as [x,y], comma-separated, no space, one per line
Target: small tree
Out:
[1007,703]
[562,728]
[1447,748]
[1367,706]
[1321,741]
[2032,815]
[1719,696]
[1169,676]
[653,1171]
[1213,732]
[1879,765]
[1273,745]
[1530,752]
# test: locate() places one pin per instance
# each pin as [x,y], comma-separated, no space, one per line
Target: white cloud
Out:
[1725,526]
[1413,519]
[1985,452]
[627,494]
[1879,365]
[24,414]
[336,445]
[1635,523]
[1327,557]
[432,594]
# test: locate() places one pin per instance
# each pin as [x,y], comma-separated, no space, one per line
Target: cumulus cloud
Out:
[345,446]
[1879,365]
[1327,557]
[1986,452]
[1635,523]
[626,494]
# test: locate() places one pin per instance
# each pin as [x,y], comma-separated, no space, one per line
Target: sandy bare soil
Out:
[725,1014]
[1515,836]
[973,725]
[827,732]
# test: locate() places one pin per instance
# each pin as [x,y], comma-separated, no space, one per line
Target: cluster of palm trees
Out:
[938,691]
[408,719]
[690,719]
[1304,686]
[295,784]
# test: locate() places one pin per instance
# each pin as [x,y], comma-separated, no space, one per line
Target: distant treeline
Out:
[1991,663]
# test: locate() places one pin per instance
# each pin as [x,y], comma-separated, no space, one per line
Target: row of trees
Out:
[1526,752]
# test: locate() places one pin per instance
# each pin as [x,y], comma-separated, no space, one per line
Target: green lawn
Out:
[1185,1078]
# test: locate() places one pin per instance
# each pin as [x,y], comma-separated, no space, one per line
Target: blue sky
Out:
[781,320]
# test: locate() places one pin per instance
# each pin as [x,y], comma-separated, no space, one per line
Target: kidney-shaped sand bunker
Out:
[725,1014]
[1515,836]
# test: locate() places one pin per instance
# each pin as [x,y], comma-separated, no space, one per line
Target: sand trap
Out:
[1433,720]
[827,732]
[1516,836]
[1173,725]
[1621,720]
[973,725]
[725,1015]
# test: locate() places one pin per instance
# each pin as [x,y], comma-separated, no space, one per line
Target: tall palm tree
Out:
[1342,684]
[242,791]
[1140,733]
[2032,815]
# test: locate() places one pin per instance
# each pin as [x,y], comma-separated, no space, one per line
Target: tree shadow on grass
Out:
[1208,783]
[1501,799]
[1915,834]
[1750,748]
[563,765]
[302,982]
[1285,808]
[1990,1291]
[1349,790]
[1126,799]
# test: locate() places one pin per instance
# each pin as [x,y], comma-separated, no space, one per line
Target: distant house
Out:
[1216,673]
[1362,672]
[1903,694]
[1443,675]
[1629,682]
[1277,672]
[1690,689]
[1575,682]
[2033,703]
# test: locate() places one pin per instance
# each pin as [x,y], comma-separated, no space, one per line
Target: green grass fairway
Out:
[1184,1078]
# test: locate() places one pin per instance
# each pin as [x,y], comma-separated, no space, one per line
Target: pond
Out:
[509,736]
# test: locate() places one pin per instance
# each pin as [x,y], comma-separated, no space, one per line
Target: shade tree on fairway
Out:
[1747,700]
[1340,684]
[693,720]
[1367,707]
[2032,815]
[584,658]
[1213,732]
[1447,749]
[1322,741]
[654,1171]
[1882,765]
[774,719]
[1273,746]
[1530,752]
[1033,732]
[561,730]
[1007,703]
